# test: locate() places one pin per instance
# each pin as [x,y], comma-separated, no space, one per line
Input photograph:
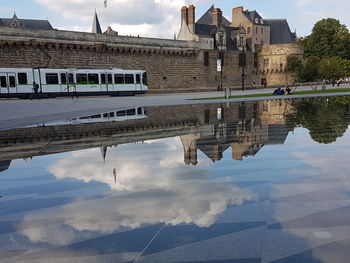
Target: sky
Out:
[161,18]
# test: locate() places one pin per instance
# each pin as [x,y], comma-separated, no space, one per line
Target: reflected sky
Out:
[185,198]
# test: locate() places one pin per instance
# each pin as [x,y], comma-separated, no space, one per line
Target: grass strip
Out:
[302,92]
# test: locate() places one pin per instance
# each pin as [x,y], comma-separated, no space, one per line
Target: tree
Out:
[294,64]
[327,119]
[332,68]
[310,69]
[329,38]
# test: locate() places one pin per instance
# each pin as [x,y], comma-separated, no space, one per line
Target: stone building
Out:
[186,64]
[25,23]
[271,40]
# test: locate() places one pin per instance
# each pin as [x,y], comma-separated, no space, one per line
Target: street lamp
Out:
[221,33]
[242,46]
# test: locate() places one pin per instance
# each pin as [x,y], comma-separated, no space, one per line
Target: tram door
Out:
[8,83]
[138,82]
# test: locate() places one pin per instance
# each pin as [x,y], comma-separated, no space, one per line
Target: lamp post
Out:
[242,47]
[221,33]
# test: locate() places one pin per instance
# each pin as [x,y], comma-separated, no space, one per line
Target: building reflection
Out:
[244,128]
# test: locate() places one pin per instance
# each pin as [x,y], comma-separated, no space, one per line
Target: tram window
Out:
[93,78]
[81,78]
[121,113]
[111,114]
[131,112]
[129,79]
[22,78]
[98,116]
[119,79]
[139,111]
[109,78]
[103,78]
[70,78]
[138,79]
[105,115]
[63,78]
[51,78]
[144,78]
[3,82]
[12,81]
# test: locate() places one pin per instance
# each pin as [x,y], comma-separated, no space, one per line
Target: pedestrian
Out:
[74,91]
[35,90]
[253,85]
[265,84]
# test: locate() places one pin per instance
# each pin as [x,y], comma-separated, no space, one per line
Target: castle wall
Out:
[272,62]
[171,65]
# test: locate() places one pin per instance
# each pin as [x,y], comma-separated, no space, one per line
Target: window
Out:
[206,58]
[266,63]
[63,78]
[22,78]
[129,79]
[119,79]
[262,30]
[12,81]
[81,78]
[109,78]
[103,78]
[255,60]
[3,82]
[256,30]
[138,79]
[131,112]
[51,78]
[121,113]
[93,78]
[249,29]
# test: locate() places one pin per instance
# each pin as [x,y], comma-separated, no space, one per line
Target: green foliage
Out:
[332,68]
[326,118]
[329,38]
[294,64]
[310,69]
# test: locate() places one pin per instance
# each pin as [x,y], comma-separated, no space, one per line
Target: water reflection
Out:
[181,184]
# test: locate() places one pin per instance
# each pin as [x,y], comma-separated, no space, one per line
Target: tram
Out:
[19,82]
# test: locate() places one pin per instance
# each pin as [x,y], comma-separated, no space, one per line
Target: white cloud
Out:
[161,189]
[156,18]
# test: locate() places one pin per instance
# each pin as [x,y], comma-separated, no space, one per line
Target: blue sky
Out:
[161,18]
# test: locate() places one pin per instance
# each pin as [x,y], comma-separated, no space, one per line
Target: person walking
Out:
[35,90]
[74,91]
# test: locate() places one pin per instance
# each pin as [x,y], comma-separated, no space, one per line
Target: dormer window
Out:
[262,21]
[256,20]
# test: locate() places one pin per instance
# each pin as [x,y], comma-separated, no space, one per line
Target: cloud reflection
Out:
[153,186]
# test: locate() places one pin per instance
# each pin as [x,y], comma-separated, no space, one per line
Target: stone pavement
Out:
[19,113]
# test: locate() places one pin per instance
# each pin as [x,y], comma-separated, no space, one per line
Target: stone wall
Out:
[171,65]
[272,62]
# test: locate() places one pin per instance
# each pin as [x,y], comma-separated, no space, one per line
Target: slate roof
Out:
[211,30]
[96,27]
[29,23]
[206,19]
[280,31]
[252,15]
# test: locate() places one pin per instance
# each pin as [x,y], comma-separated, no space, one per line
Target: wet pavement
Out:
[245,182]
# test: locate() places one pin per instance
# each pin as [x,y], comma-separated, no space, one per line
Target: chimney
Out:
[236,13]
[184,15]
[191,15]
[217,17]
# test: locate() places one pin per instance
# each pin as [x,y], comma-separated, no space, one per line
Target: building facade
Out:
[186,64]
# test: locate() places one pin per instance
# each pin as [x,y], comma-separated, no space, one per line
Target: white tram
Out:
[18,82]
